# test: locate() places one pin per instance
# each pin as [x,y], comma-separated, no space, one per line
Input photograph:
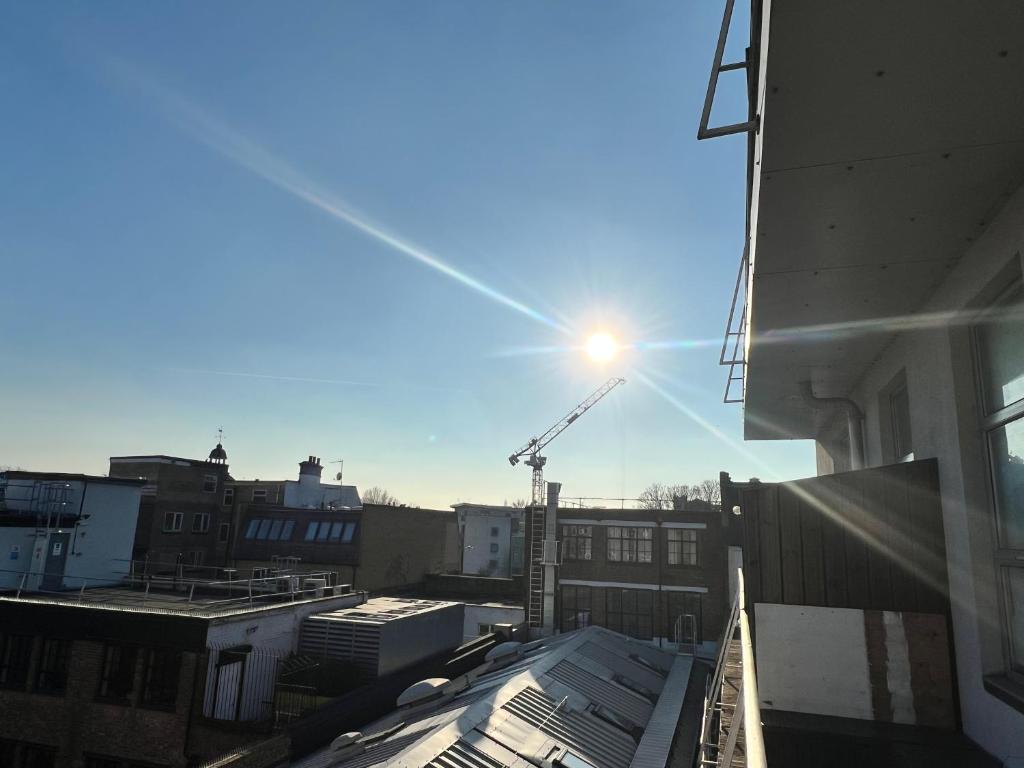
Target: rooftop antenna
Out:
[341,468]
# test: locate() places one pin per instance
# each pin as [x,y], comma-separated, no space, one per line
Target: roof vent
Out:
[502,651]
[424,690]
[346,740]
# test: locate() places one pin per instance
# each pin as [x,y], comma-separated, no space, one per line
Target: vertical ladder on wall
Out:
[535,602]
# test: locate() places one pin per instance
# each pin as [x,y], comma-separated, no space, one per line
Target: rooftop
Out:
[381,610]
[586,698]
[20,474]
[210,600]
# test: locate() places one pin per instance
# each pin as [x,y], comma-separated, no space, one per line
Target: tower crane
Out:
[533,447]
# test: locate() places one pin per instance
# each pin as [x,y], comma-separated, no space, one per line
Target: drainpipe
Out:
[854,421]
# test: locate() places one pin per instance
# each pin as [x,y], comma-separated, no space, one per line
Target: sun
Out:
[601,347]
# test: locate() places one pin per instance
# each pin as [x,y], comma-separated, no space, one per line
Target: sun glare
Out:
[601,347]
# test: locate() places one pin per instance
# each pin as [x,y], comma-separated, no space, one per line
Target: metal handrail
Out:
[747,715]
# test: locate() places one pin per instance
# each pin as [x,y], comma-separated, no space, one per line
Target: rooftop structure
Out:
[384,634]
[587,698]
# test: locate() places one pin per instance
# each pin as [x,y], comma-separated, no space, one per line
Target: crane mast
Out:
[534,445]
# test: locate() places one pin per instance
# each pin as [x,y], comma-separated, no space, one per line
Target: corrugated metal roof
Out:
[661,728]
[569,694]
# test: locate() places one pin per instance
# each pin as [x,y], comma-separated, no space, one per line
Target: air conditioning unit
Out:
[286,584]
[318,586]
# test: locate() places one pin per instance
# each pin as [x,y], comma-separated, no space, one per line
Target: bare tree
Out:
[661,496]
[378,495]
[518,504]
[655,496]
[709,491]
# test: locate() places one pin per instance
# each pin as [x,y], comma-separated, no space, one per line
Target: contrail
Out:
[244,152]
[315,380]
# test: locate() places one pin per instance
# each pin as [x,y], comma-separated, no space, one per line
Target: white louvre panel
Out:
[384,634]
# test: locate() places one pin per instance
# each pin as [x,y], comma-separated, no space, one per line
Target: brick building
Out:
[374,548]
[656,575]
[123,678]
[182,517]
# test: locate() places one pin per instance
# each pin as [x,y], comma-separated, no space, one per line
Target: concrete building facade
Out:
[884,298]
[492,539]
[62,531]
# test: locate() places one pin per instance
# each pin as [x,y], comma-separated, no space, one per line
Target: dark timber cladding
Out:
[869,539]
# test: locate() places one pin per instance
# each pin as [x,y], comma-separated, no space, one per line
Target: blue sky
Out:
[338,228]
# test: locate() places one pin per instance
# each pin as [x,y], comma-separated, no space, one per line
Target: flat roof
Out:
[587,698]
[69,476]
[381,610]
[165,602]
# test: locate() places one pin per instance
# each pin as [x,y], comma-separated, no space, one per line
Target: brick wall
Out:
[76,722]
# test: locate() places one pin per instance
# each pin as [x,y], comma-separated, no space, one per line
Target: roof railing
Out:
[725,722]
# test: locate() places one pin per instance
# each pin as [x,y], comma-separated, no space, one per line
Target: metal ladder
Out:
[535,601]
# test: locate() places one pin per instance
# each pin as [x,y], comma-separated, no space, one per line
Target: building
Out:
[62,531]
[308,491]
[155,673]
[385,634]
[586,698]
[882,318]
[492,539]
[374,548]
[655,575]
[183,519]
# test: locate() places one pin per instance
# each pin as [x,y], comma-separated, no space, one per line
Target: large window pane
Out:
[1007,449]
[1015,614]
[1001,345]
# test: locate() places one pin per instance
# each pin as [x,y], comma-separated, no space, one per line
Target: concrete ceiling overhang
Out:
[891,133]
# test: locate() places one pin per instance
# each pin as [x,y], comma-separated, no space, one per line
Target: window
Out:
[264,530]
[229,497]
[311,531]
[224,532]
[484,629]
[259,495]
[999,339]
[286,530]
[15,654]
[494,547]
[630,611]
[275,530]
[577,541]
[575,607]
[194,558]
[173,522]
[350,531]
[324,532]
[209,483]
[160,677]
[336,529]
[117,676]
[52,676]
[250,530]
[38,756]
[682,546]
[681,627]
[629,545]
[494,530]
[899,413]
[492,566]
[201,522]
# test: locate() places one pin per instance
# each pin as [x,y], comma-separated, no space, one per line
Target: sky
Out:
[375,231]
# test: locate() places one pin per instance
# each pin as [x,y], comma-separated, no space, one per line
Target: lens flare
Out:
[601,347]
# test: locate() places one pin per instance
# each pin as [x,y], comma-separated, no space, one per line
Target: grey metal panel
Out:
[602,692]
[601,744]
[463,755]
[661,728]
[623,665]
